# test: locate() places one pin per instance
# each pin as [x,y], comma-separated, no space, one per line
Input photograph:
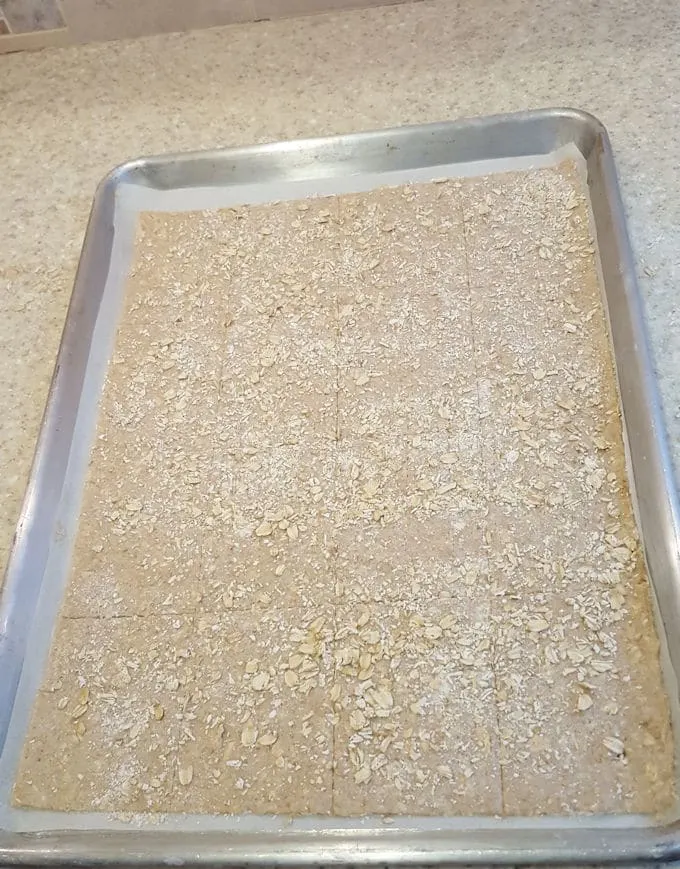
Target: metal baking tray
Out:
[38,565]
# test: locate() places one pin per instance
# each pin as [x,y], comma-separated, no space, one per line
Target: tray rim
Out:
[496,841]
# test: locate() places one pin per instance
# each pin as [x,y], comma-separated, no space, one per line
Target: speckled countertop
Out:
[69,115]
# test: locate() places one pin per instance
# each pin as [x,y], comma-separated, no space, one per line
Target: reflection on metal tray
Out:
[38,567]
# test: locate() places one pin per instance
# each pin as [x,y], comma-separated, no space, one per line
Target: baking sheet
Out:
[34,589]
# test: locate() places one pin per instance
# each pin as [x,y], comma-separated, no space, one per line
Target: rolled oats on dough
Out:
[357,536]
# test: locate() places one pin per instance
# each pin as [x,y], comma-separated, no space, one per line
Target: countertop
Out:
[69,115]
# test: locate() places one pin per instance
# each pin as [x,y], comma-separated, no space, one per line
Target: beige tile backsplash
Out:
[26,16]
[114,19]
[28,24]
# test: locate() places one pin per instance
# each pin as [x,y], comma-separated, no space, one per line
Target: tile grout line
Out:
[483,457]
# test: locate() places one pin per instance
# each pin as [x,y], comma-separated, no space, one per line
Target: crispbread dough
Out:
[367,447]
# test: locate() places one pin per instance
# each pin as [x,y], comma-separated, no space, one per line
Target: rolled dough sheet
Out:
[357,536]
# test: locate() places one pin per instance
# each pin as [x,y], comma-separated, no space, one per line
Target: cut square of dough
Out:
[172,324]
[261,729]
[163,407]
[404,355]
[564,686]
[106,724]
[530,365]
[147,511]
[383,394]
[270,572]
[415,712]
[272,540]
[532,225]
[383,482]
[409,521]
[264,493]
[139,574]
[410,562]
[410,559]
[403,241]
[278,381]
[280,260]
